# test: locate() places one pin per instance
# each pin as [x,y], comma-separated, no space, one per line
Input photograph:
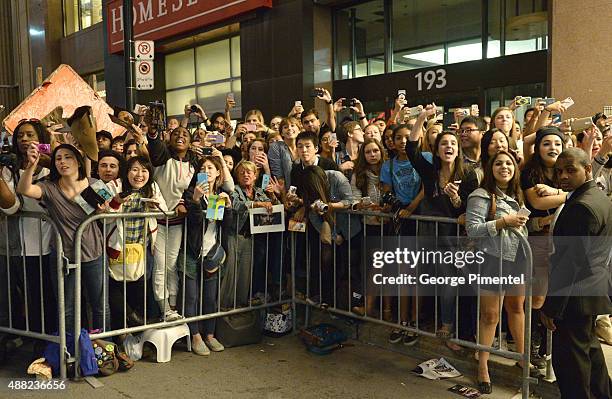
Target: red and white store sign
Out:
[158,19]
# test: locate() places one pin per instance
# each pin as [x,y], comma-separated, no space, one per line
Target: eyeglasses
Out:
[33,120]
[466,131]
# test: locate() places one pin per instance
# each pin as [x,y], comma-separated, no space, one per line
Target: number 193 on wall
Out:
[428,79]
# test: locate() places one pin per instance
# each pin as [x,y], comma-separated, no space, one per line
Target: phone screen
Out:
[202,178]
[265,180]
[91,197]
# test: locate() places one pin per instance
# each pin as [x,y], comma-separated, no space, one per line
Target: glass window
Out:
[179,69]
[524,28]
[213,61]
[81,14]
[435,32]
[235,55]
[344,65]
[71,17]
[177,99]
[205,75]
[361,28]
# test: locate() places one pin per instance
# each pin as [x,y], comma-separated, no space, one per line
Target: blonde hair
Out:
[244,164]
[256,113]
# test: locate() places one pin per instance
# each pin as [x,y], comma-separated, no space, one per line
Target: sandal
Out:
[445,336]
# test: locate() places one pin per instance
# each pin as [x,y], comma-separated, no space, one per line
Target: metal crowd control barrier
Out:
[419,220]
[236,307]
[11,261]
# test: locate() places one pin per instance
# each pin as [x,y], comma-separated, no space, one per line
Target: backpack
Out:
[322,339]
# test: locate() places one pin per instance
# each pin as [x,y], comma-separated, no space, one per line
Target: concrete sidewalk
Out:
[276,368]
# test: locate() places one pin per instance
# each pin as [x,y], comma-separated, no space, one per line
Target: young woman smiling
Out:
[67,179]
[491,211]
[441,179]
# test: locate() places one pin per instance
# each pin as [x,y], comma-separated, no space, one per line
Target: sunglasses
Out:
[33,120]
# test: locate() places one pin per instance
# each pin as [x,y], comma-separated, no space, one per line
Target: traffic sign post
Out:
[145,49]
[144,75]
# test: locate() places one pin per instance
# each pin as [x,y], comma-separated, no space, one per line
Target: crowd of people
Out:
[481,171]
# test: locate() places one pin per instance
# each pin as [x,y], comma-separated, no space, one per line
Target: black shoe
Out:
[411,338]
[485,388]
[538,361]
[397,335]
[533,372]
[134,319]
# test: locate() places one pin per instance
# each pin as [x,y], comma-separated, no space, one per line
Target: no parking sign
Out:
[144,75]
[145,53]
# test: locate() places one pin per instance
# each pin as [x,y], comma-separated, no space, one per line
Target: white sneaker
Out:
[172,315]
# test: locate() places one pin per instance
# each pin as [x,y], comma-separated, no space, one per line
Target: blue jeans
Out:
[193,302]
[92,283]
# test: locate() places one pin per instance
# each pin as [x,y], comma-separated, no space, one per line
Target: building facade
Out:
[270,53]
[36,36]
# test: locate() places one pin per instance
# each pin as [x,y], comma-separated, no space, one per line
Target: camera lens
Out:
[194,108]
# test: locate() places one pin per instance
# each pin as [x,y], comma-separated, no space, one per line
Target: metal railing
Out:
[234,306]
[256,250]
[13,260]
[420,221]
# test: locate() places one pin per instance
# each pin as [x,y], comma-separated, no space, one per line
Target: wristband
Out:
[362,117]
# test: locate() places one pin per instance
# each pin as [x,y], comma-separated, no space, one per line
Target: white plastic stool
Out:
[164,339]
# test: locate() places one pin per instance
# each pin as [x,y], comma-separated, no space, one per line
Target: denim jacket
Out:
[279,157]
[476,224]
[238,214]
[340,191]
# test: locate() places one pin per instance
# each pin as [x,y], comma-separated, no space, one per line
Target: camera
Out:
[316,92]
[389,198]
[7,157]
[349,102]
[519,100]
[193,108]
[320,206]
[157,115]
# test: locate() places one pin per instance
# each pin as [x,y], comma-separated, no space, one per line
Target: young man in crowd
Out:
[110,165]
[470,132]
[104,140]
[307,144]
[579,280]
[311,122]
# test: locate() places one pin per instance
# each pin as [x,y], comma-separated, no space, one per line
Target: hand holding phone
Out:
[44,149]
[202,178]
[265,181]
[524,212]
[568,102]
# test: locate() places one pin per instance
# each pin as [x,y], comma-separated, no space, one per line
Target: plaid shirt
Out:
[134,227]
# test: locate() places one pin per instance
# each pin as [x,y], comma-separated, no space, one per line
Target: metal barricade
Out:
[15,259]
[235,305]
[332,306]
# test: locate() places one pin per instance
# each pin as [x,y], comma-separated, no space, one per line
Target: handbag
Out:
[134,263]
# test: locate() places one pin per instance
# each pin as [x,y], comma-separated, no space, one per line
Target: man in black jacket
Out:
[580,280]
